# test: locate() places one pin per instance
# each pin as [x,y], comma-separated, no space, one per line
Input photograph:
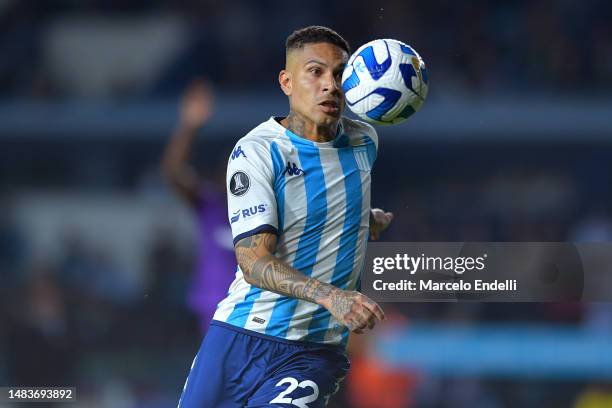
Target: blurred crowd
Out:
[71,319]
[480,46]
[76,315]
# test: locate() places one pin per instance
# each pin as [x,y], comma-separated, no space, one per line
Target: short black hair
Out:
[315,34]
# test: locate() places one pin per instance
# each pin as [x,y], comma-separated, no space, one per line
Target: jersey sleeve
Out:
[371,142]
[372,134]
[251,200]
[367,130]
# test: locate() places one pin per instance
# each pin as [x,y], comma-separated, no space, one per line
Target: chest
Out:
[324,184]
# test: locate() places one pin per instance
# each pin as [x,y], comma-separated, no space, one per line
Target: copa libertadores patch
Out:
[239,183]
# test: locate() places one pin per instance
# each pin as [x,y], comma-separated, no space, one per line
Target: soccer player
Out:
[299,208]
[206,197]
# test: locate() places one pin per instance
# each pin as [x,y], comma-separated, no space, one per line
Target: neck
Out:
[309,130]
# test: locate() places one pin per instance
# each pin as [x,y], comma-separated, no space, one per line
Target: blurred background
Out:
[100,261]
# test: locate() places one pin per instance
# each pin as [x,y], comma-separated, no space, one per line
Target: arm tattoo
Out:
[341,304]
[246,249]
[264,270]
[315,290]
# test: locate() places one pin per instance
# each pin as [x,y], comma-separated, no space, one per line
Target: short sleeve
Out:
[371,132]
[365,129]
[371,141]
[251,200]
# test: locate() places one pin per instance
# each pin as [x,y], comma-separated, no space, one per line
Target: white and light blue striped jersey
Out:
[316,198]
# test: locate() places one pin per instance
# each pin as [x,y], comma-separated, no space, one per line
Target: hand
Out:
[196,105]
[354,310]
[379,221]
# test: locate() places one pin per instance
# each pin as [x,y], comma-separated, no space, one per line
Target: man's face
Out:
[312,80]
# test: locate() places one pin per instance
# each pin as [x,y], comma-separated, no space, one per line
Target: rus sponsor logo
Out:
[248,212]
[256,209]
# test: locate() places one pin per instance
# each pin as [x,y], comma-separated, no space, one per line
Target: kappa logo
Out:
[237,152]
[293,170]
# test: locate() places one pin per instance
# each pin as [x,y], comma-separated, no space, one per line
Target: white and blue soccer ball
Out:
[385,81]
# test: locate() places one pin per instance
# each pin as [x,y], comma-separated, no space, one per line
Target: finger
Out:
[365,321]
[374,308]
[372,318]
[362,319]
[372,321]
[350,326]
[354,328]
[355,320]
[386,221]
[374,234]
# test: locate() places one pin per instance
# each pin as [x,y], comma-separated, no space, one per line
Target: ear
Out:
[284,79]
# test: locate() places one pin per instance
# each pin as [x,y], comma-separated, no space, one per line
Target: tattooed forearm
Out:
[264,270]
[272,274]
[316,290]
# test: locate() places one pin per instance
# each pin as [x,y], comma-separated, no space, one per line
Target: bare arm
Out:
[262,269]
[195,110]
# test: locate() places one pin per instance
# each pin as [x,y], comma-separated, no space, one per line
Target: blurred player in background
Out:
[298,192]
[205,195]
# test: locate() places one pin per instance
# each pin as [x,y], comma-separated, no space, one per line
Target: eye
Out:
[315,71]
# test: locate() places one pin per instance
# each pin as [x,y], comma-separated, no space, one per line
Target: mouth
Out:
[330,107]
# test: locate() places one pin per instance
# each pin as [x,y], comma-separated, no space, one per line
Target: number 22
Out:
[293,384]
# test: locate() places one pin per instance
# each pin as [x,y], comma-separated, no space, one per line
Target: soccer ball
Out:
[385,81]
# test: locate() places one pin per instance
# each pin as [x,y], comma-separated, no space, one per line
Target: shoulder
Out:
[261,138]
[259,150]
[359,131]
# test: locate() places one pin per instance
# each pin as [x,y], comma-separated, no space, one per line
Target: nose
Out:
[331,83]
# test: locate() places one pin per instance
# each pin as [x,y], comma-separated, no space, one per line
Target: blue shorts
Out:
[241,368]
